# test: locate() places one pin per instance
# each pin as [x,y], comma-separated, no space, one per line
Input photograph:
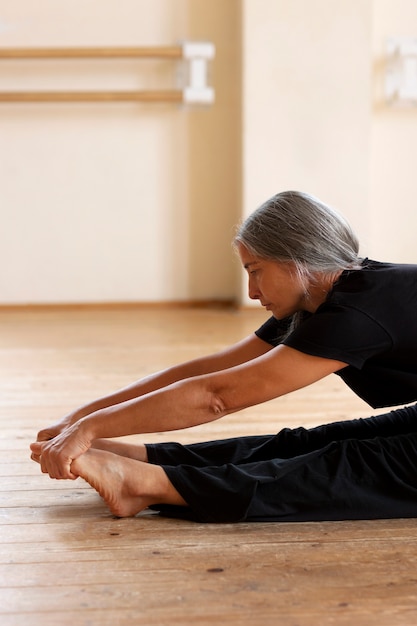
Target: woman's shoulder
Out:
[378,276]
[373,265]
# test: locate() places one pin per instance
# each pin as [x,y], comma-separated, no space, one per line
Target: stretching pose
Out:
[331,312]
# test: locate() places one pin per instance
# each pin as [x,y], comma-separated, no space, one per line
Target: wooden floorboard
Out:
[65,560]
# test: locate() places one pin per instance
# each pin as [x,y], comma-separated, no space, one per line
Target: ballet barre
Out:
[194,57]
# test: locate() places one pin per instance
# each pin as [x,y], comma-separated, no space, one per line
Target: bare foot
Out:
[127,486]
[128,450]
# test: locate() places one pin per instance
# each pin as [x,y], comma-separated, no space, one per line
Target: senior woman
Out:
[331,312]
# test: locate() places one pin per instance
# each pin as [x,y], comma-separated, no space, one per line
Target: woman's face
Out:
[276,285]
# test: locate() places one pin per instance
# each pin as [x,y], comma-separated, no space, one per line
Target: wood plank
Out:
[47,522]
[292,616]
[54,496]
[174,599]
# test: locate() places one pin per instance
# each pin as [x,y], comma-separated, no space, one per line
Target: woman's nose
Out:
[253,290]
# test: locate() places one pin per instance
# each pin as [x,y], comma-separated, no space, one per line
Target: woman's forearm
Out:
[177,406]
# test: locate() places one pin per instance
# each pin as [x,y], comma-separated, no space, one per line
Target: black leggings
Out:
[358,469]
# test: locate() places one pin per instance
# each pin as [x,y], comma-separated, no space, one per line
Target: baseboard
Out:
[180,304]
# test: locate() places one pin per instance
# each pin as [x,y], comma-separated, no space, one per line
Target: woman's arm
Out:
[241,352]
[197,400]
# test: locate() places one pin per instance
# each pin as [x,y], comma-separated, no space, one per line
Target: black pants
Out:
[358,469]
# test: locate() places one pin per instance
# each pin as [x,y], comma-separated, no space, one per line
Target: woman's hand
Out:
[52,431]
[56,455]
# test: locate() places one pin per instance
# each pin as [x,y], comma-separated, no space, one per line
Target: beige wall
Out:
[118,201]
[393,164]
[122,202]
[315,116]
[306,107]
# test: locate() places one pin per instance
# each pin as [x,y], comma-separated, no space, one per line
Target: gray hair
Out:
[295,227]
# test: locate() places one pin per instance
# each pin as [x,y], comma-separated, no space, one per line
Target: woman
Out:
[332,312]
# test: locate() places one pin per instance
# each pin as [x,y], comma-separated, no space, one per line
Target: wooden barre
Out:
[92,96]
[157,52]
[196,54]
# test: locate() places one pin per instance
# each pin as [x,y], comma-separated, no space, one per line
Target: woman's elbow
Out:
[217,406]
[213,399]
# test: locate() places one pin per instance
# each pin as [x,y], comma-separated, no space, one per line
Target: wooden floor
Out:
[65,560]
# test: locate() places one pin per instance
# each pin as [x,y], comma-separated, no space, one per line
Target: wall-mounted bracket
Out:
[401,70]
[196,56]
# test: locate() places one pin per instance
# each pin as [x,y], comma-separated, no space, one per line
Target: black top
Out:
[368,321]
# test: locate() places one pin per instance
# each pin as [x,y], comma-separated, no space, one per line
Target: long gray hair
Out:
[295,227]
